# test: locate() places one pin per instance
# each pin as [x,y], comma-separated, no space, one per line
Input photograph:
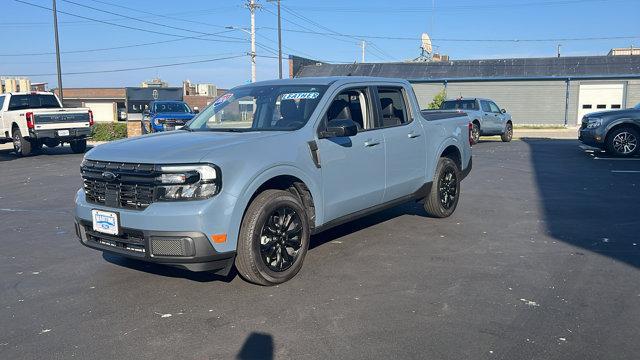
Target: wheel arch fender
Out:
[249,190]
[622,122]
[446,145]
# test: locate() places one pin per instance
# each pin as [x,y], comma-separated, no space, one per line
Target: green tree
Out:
[438,100]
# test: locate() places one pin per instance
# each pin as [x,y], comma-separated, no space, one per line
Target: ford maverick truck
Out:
[616,131]
[486,117]
[36,118]
[265,166]
[166,115]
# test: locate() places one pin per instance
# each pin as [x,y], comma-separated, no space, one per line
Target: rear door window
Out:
[485,106]
[392,106]
[1,102]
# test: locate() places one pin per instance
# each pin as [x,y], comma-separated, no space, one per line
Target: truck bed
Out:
[431,115]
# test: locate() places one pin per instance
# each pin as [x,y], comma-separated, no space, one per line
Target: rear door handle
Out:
[413,135]
[370,143]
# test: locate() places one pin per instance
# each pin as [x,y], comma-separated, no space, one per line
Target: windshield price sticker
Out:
[300,95]
[223,98]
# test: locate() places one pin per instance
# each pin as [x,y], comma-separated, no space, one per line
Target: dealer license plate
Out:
[105,222]
[63,132]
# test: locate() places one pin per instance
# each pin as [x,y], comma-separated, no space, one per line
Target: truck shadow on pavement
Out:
[587,203]
[412,208]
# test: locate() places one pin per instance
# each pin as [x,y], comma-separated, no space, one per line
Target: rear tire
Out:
[21,146]
[508,133]
[623,142]
[79,146]
[445,190]
[475,133]
[274,238]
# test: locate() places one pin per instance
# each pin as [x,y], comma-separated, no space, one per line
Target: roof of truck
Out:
[326,80]
[29,93]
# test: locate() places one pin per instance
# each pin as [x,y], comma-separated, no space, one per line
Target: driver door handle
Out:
[413,135]
[371,142]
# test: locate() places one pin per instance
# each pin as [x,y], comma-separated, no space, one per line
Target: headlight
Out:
[188,182]
[593,123]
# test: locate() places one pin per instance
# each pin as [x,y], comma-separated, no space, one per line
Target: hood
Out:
[616,113]
[175,147]
[175,115]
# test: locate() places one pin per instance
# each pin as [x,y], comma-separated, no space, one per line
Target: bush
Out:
[438,100]
[108,131]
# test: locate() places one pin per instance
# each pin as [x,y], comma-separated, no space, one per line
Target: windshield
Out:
[637,107]
[258,108]
[170,107]
[459,105]
[33,101]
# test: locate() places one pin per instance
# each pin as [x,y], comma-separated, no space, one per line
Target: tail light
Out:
[90,118]
[30,122]
[470,134]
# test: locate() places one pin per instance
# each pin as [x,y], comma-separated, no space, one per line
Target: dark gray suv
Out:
[617,132]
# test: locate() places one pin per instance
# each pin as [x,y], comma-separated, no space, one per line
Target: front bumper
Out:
[74,133]
[592,137]
[187,250]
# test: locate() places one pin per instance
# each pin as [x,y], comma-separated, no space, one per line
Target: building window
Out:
[616,106]
[586,106]
[602,106]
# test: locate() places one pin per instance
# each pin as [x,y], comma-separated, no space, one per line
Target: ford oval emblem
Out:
[109,176]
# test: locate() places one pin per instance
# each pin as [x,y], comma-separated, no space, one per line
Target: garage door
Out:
[102,111]
[599,97]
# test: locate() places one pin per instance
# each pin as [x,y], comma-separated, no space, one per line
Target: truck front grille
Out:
[119,185]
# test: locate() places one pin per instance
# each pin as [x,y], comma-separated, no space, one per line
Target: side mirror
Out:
[196,110]
[340,128]
[503,111]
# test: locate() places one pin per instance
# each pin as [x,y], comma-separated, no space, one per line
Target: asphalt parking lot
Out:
[540,261]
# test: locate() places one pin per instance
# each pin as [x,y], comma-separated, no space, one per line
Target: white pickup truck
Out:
[31,119]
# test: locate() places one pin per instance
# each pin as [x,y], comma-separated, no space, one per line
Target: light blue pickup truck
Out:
[265,166]
[486,117]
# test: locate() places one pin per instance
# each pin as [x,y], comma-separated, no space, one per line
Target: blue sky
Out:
[404,21]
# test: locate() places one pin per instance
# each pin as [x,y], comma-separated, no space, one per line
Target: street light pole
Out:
[363,46]
[55,30]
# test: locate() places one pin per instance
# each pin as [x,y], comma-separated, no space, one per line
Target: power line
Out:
[134,68]
[111,48]
[131,27]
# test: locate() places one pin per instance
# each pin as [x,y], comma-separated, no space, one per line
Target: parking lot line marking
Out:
[617,159]
[626,171]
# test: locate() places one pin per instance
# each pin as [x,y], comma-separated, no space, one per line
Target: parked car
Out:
[487,118]
[249,186]
[616,131]
[36,118]
[166,115]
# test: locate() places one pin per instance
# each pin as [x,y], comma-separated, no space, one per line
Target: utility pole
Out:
[55,30]
[559,49]
[363,44]
[279,39]
[280,44]
[252,9]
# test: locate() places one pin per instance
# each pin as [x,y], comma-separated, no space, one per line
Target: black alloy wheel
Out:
[281,239]
[508,133]
[445,191]
[448,188]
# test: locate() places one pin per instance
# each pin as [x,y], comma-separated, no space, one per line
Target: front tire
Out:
[79,146]
[623,142]
[508,133]
[274,238]
[21,146]
[445,190]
